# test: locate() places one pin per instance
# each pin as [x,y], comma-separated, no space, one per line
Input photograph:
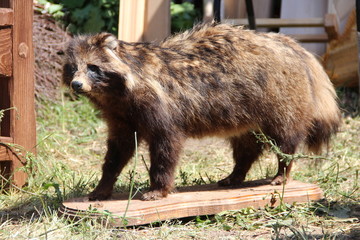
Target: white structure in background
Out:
[318,8]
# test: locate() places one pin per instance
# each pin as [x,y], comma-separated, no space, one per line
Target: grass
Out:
[71,145]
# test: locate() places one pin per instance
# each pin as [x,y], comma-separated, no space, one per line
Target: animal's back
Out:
[236,77]
[260,79]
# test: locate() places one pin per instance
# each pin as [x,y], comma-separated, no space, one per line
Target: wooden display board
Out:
[16,86]
[190,201]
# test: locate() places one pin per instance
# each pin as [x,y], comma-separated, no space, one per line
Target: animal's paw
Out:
[231,181]
[225,182]
[153,195]
[99,195]
[278,180]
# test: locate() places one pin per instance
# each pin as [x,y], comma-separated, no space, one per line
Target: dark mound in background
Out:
[49,39]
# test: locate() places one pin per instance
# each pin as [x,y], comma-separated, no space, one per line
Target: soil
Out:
[49,40]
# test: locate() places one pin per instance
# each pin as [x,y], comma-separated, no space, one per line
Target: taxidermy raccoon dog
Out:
[214,80]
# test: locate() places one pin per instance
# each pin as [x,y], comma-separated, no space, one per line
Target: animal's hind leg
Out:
[284,168]
[246,149]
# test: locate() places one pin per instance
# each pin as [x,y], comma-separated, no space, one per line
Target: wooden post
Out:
[208,10]
[17,86]
[144,20]
[157,20]
[24,129]
[131,20]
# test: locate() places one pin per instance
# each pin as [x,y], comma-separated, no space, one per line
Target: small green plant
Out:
[132,182]
[287,158]
[183,16]
[85,16]
[2,114]
[51,8]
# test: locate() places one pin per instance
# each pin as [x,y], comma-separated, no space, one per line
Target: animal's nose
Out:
[76,86]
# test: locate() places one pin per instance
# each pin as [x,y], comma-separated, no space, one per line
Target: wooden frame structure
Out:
[328,22]
[16,87]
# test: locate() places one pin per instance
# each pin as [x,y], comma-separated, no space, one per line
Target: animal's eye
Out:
[74,69]
[93,68]
[95,73]
[70,68]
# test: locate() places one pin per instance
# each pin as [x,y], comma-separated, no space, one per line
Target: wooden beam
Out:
[331,26]
[280,22]
[6,17]
[5,154]
[341,63]
[6,139]
[5,52]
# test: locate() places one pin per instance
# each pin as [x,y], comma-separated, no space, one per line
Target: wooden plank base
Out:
[191,201]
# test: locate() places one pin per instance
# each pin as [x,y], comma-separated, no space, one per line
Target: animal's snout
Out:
[76,86]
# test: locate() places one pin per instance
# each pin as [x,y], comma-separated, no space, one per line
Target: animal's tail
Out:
[320,134]
[327,118]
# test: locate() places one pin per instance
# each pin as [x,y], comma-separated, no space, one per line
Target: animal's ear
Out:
[111,42]
[105,40]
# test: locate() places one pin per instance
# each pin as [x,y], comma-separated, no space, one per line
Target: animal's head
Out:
[93,65]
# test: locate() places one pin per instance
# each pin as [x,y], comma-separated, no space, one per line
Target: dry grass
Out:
[72,143]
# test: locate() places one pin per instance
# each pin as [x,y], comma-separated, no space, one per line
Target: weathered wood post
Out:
[16,87]
[144,20]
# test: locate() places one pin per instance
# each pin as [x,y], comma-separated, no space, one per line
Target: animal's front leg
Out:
[164,154]
[120,150]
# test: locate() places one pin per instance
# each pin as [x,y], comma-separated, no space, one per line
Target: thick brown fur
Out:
[214,80]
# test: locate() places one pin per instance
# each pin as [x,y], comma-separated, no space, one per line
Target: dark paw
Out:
[153,195]
[225,182]
[98,196]
[279,180]
[231,181]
